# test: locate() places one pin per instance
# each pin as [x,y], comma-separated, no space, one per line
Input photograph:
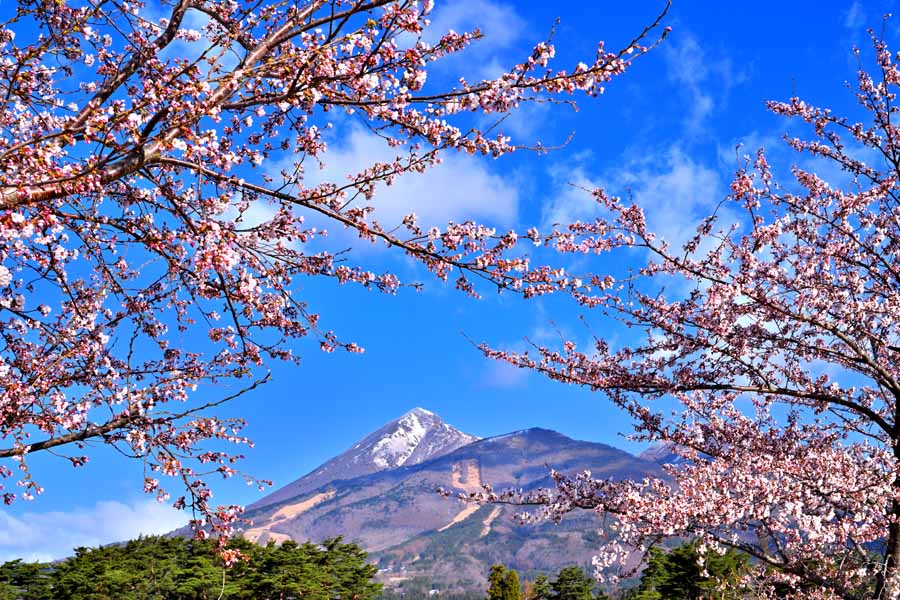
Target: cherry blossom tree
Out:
[136,157]
[766,354]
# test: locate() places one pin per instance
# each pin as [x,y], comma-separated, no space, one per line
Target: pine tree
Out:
[496,583]
[511,588]
[678,573]
[503,584]
[24,581]
[178,569]
[540,589]
[572,584]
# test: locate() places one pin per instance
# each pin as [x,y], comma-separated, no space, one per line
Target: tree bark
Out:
[888,585]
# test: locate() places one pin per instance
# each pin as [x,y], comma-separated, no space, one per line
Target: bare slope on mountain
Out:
[396,514]
[417,436]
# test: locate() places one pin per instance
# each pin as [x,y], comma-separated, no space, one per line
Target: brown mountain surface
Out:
[396,514]
[417,436]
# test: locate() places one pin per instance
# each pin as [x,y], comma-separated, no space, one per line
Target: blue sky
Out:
[666,132]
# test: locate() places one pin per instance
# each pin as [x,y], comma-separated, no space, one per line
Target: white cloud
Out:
[699,75]
[459,188]
[675,191]
[502,375]
[855,17]
[191,50]
[781,157]
[573,201]
[733,155]
[499,23]
[687,64]
[52,535]
[525,122]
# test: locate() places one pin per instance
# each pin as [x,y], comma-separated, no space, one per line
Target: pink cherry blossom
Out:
[132,271]
[777,337]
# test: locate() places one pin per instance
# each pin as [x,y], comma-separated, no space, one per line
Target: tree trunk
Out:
[888,585]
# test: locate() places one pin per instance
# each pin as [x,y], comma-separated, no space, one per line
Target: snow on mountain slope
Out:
[409,440]
[394,449]
[663,454]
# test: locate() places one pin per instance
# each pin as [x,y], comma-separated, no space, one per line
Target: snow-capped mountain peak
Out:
[420,411]
[393,449]
[418,435]
[410,439]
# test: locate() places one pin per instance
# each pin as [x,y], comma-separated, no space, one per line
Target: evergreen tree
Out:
[679,574]
[511,588]
[503,584]
[24,581]
[540,589]
[497,583]
[572,584]
[178,569]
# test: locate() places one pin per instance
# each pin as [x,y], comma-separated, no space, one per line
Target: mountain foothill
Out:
[381,494]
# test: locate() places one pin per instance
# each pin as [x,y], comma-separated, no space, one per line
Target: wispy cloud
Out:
[502,375]
[782,158]
[675,190]
[855,17]
[572,200]
[498,22]
[528,120]
[190,50]
[544,333]
[52,535]
[704,78]
[461,187]
[734,153]
[856,21]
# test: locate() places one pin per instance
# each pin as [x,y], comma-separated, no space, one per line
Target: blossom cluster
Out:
[775,332]
[135,157]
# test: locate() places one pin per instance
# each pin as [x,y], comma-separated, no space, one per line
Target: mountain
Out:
[664,454]
[416,437]
[409,530]
[661,454]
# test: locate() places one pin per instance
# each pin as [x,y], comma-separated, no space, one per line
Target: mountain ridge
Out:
[396,515]
[412,438]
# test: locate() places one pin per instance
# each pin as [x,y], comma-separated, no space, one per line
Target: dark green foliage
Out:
[162,568]
[572,583]
[503,584]
[420,587]
[511,588]
[677,574]
[540,589]
[497,583]
[24,581]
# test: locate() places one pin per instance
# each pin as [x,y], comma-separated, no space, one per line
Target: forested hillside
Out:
[172,568]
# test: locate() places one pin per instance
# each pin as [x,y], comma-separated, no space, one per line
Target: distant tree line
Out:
[674,574]
[173,568]
[571,583]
